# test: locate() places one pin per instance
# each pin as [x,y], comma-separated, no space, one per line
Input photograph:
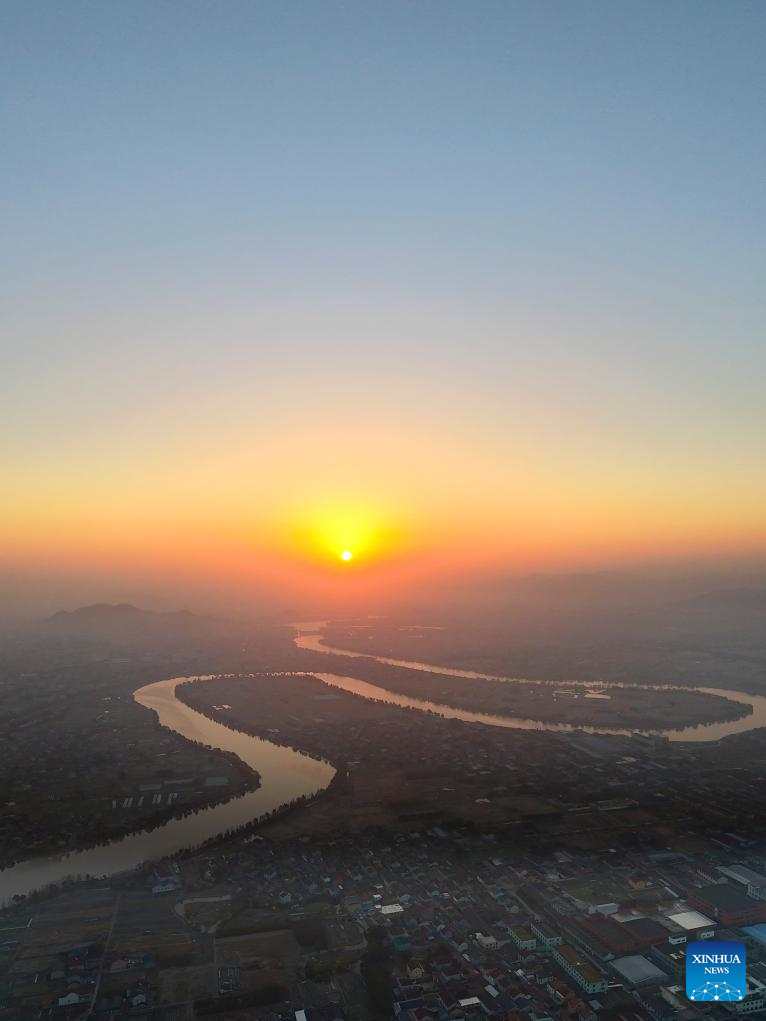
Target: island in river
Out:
[576,703]
[324,733]
[404,768]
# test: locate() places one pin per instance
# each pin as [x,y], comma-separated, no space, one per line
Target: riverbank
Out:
[309,638]
[83,764]
[577,703]
[411,740]
[285,776]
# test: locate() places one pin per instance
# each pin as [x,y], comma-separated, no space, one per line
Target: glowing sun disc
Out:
[346,555]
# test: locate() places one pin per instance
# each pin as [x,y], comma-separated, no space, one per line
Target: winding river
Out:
[286,774]
[310,638]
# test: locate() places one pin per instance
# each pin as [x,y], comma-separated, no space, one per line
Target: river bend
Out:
[287,774]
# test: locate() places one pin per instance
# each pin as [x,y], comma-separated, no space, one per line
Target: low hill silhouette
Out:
[125,622]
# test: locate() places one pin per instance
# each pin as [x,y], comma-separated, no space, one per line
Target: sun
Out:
[345,538]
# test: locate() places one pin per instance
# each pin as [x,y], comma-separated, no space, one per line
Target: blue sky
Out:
[550,147]
[528,224]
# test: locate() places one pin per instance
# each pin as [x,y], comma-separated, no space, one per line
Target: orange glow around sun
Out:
[343,533]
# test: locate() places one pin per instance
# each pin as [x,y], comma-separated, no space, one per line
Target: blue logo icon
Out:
[716,970]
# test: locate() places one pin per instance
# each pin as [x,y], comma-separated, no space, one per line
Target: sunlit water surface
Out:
[286,774]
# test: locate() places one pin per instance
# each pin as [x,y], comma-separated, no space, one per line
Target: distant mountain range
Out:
[122,621]
[738,599]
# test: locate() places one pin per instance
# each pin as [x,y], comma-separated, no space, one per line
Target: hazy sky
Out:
[449,282]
